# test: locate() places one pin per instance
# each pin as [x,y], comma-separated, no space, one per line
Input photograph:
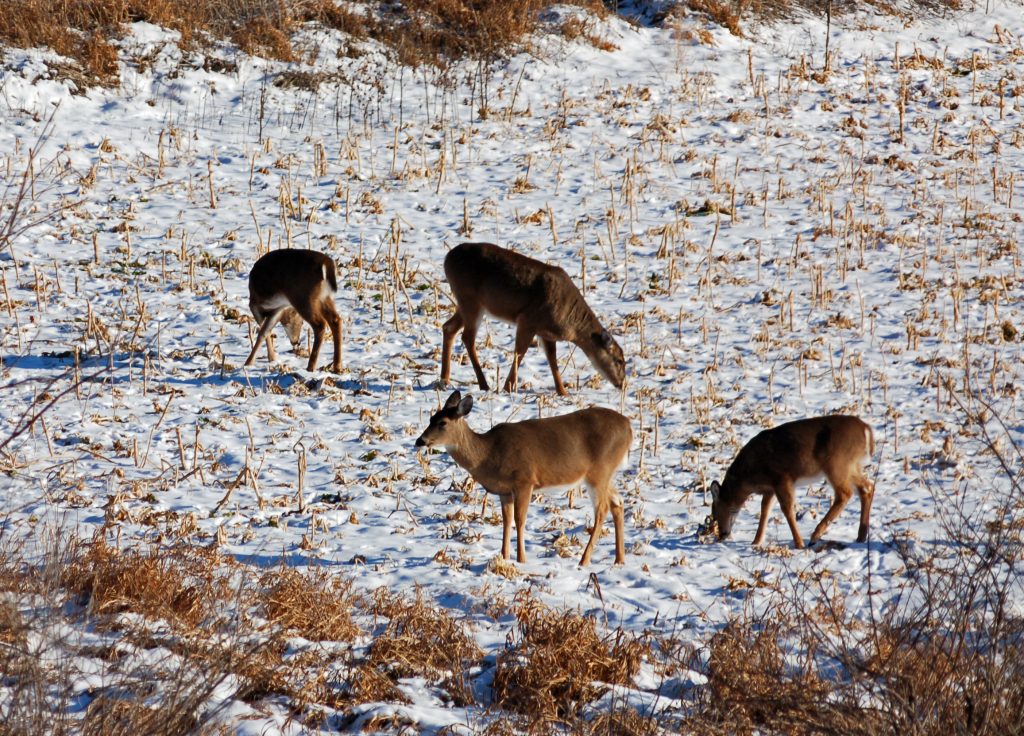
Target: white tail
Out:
[775,460]
[539,299]
[290,285]
[513,460]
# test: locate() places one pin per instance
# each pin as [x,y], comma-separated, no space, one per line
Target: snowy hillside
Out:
[767,239]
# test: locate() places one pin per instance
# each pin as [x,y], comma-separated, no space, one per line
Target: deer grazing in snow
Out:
[539,299]
[775,460]
[514,459]
[291,285]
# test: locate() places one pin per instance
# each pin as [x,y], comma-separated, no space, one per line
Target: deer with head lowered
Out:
[514,459]
[291,285]
[775,460]
[539,299]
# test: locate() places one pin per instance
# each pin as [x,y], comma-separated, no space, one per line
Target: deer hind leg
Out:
[471,324]
[506,525]
[866,491]
[551,351]
[604,497]
[524,337]
[449,330]
[334,322]
[787,500]
[267,324]
[522,503]
[600,512]
[842,495]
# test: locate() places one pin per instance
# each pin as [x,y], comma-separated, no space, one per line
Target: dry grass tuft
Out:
[623,721]
[314,605]
[550,672]
[750,685]
[423,640]
[262,37]
[369,685]
[437,32]
[178,585]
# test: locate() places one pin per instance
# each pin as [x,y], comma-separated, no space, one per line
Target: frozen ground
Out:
[766,240]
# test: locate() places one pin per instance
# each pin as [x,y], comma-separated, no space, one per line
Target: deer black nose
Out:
[420,442]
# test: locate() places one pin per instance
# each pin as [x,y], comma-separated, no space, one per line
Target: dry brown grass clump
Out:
[549,674]
[314,605]
[944,680]
[436,32]
[750,686]
[178,585]
[423,640]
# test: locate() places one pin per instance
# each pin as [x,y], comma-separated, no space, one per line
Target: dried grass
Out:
[750,686]
[550,673]
[177,585]
[423,640]
[315,605]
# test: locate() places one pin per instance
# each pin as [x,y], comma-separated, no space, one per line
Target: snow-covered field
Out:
[767,241]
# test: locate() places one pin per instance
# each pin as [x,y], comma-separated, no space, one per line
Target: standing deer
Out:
[290,285]
[539,299]
[775,460]
[514,459]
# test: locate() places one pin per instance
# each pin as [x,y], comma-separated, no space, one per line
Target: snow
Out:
[858,274]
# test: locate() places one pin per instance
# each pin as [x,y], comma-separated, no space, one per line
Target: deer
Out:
[290,285]
[514,459]
[538,298]
[775,460]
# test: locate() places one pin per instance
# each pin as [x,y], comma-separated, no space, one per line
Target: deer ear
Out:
[715,490]
[603,338]
[453,400]
[465,406]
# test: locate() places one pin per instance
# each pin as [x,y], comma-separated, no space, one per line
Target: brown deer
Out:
[539,299]
[514,459]
[291,285]
[775,460]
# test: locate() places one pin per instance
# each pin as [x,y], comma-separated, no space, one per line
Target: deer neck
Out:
[467,448]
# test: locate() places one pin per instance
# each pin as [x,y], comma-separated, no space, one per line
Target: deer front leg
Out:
[471,325]
[268,324]
[524,336]
[762,524]
[449,330]
[787,500]
[318,340]
[551,351]
[506,525]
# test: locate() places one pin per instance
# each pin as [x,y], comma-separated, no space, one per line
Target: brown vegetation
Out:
[551,671]
[429,32]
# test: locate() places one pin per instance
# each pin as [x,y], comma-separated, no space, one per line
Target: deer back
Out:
[293,274]
[829,445]
[554,451]
[508,285]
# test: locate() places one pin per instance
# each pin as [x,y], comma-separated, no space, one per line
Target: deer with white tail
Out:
[291,285]
[539,299]
[775,460]
[514,459]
